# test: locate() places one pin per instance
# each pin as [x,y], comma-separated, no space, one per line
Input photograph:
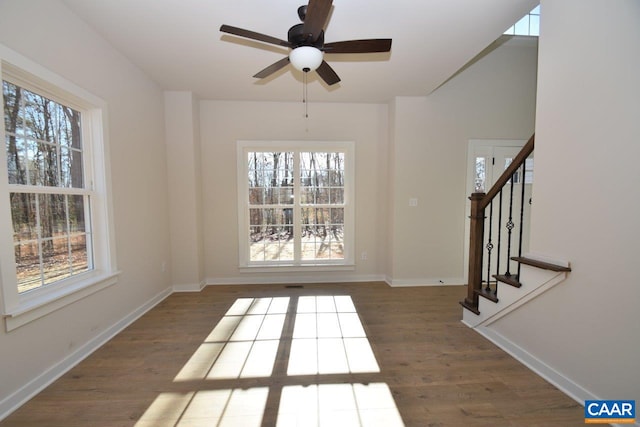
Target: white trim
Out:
[443,281]
[33,387]
[58,298]
[526,297]
[535,281]
[286,279]
[282,268]
[563,383]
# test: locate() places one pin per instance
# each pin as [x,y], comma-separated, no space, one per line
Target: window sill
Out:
[35,306]
[279,268]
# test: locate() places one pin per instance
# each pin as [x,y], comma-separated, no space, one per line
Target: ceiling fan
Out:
[307,44]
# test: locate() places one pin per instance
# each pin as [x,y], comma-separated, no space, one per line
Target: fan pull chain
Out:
[305,94]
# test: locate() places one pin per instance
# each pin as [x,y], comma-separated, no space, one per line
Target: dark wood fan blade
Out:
[327,74]
[358,46]
[272,68]
[317,13]
[253,35]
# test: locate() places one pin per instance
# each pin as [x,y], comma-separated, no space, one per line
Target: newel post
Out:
[476,238]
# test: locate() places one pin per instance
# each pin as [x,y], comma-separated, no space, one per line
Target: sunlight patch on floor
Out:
[207,408]
[243,344]
[327,337]
[338,405]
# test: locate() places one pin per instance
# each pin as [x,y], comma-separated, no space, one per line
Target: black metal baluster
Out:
[499,239]
[510,226]
[522,183]
[489,248]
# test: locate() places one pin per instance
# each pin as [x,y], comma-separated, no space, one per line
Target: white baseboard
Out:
[442,281]
[33,387]
[319,278]
[564,384]
[290,278]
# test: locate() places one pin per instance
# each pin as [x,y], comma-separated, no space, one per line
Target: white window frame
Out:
[245,147]
[21,308]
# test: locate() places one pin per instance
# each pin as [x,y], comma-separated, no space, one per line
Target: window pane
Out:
[69,133]
[322,233]
[13,111]
[534,25]
[23,216]
[45,159]
[55,259]
[522,26]
[79,253]
[43,138]
[76,214]
[270,170]
[307,196]
[528,171]
[286,196]
[33,162]
[271,234]
[15,149]
[322,196]
[38,118]
[322,242]
[337,216]
[315,216]
[71,168]
[481,175]
[337,196]
[28,266]
[256,196]
[50,238]
[53,215]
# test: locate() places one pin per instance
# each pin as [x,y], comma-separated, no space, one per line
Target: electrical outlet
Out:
[363,256]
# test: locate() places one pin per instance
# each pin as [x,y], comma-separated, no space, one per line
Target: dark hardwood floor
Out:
[429,369]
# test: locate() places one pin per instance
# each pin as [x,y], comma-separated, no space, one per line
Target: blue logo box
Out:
[610,411]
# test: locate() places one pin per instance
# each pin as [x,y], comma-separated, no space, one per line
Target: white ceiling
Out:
[179,45]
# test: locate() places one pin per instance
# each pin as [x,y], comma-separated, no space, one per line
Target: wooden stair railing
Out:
[479,204]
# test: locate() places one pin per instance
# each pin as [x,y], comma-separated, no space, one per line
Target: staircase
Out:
[521,277]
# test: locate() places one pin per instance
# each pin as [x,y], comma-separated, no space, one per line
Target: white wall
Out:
[493,98]
[586,207]
[224,123]
[49,34]
[182,126]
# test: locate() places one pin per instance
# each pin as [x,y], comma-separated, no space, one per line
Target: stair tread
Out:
[490,295]
[509,280]
[540,264]
[469,307]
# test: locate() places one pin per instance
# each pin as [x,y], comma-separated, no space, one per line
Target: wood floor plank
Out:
[435,371]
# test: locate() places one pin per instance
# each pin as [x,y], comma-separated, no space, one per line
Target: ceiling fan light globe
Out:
[306,58]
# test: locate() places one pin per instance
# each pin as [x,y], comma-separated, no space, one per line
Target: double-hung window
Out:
[56,237]
[295,203]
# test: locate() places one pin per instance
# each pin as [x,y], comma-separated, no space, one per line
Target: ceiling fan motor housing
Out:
[297,37]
